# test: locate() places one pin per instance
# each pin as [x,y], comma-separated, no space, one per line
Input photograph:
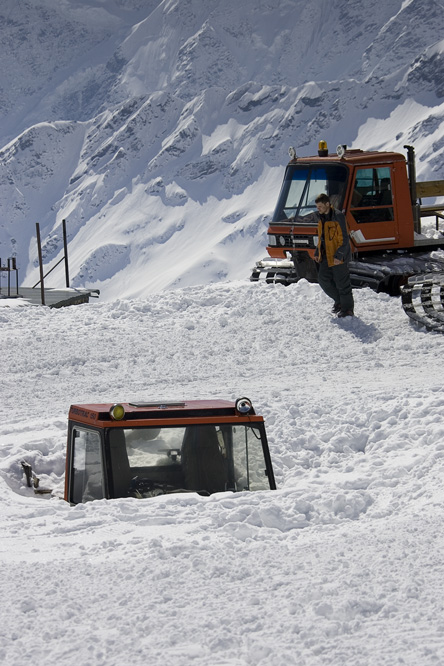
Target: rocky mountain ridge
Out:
[159,130]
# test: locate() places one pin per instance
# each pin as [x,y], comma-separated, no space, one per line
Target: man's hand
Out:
[337,261]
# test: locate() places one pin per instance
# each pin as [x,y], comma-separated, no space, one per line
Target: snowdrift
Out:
[342,564]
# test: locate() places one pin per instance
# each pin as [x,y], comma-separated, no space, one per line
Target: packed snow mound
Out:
[142,120]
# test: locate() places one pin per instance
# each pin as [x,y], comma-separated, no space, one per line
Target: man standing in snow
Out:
[333,254]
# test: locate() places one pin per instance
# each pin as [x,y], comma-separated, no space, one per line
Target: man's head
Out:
[322,202]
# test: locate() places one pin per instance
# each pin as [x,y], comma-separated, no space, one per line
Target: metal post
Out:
[15,269]
[39,247]
[65,244]
[412,183]
[14,266]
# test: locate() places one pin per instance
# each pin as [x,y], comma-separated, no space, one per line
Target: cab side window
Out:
[87,466]
[372,199]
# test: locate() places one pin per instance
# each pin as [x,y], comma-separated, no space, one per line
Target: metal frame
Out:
[41,282]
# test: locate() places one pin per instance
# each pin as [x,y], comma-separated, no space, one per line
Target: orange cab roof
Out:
[156,413]
[354,157]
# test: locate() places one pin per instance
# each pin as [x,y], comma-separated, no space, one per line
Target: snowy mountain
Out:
[159,130]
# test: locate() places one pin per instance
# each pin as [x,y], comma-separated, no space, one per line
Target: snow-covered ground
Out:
[342,565]
[159,130]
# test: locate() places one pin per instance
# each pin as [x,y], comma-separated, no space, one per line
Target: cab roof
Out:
[158,413]
[353,157]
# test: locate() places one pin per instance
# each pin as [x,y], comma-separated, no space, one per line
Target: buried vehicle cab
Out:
[148,449]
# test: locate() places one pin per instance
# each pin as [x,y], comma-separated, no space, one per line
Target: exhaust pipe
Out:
[411,167]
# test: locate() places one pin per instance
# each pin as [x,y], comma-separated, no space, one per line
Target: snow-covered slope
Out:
[341,565]
[158,130]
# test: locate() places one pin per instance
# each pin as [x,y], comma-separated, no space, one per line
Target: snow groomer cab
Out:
[148,449]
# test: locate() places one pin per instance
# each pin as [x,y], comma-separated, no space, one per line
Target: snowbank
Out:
[341,565]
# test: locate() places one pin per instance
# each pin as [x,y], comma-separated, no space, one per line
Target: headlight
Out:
[117,412]
[272,240]
[340,150]
[243,406]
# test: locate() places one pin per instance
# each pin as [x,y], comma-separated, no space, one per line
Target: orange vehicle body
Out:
[170,443]
[396,233]
[381,200]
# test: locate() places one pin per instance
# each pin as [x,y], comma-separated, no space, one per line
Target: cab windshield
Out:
[303,183]
[200,458]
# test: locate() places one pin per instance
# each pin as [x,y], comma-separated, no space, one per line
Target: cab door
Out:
[372,216]
[85,471]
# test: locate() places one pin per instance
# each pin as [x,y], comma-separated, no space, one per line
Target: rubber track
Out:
[423,300]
